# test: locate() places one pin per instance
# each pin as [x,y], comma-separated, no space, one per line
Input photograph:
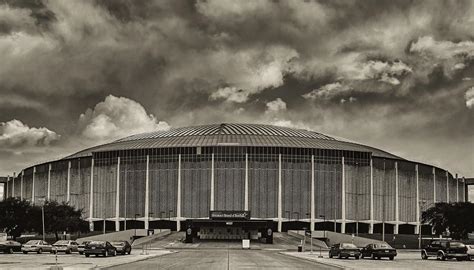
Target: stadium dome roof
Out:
[233,135]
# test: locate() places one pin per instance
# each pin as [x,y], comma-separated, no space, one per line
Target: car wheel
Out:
[391,258]
[40,251]
[373,256]
[115,253]
[339,256]
[68,251]
[424,256]
[10,251]
[87,255]
[24,252]
[441,257]
[356,257]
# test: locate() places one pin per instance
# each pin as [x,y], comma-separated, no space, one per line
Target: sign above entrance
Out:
[231,215]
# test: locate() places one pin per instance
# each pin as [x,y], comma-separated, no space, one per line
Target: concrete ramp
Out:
[127,235]
[316,242]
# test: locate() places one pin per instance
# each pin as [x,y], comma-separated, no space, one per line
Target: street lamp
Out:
[324,231]
[42,200]
[135,225]
[421,204]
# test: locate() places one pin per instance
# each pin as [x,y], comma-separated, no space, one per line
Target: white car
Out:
[470,252]
[37,246]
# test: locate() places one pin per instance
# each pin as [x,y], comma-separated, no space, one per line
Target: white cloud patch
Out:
[15,134]
[470,98]
[117,117]
[275,106]
[231,94]
[327,91]
[387,72]
[429,47]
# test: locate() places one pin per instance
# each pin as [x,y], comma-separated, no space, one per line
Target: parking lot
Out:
[404,260]
[71,261]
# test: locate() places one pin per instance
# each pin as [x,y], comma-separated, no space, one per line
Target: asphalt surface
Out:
[224,259]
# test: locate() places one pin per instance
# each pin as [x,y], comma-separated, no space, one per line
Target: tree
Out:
[15,216]
[63,217]
[18,216]
[457,218]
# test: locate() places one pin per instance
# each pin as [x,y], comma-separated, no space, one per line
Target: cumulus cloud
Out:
[117,117]
[275,106]
[232,94]
[442,49]
[387,72]
[470,98]
[15,134]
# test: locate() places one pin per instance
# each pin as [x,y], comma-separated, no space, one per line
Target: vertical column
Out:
[246,203]
[343,196]
[49,182]
[417,228]
[13,186]
[68,195]
[457,188]
[279,194]
[464,199]
[397,205]
[371,225]
[33,186]
[447,187]
[6,191]
[434,185]
[91,197]
[117,198]
[311,224]
[147,193]
[212,182]
[178,204]
[21,185]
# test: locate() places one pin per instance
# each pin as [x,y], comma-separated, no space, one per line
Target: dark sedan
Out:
[377,251]
[344,250]
[10,246]
[97,248]
[123,247]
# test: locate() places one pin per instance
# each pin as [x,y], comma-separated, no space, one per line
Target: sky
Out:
[396,75]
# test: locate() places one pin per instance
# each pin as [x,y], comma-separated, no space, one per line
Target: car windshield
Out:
[97,243]
[456,244]
[32,242]
[62,242]
[118,243]
[348,246]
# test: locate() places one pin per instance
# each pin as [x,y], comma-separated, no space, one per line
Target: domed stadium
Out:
[293,178]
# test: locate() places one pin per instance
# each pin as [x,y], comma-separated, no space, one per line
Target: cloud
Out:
[117,117]
[275,106]
[327,91]
[429,47]
[15,134]
[387,72]
[470,98]
[232,94]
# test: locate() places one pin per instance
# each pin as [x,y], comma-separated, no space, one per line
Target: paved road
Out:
[224,259]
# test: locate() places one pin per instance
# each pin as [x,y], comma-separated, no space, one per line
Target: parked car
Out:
[82,246]
[10,246]
[38,246]
[67,246]
[123,247]
[377,251]
[100,248]
[470,252]
[445,249]
[344,250]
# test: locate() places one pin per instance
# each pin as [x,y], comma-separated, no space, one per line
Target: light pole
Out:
[135,226]
[42,200]
[324,232]
[421,204]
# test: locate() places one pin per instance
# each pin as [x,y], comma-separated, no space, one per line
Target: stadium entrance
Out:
[229,225]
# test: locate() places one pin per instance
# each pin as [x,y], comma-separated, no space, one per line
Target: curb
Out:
[307,259]
[139,260]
